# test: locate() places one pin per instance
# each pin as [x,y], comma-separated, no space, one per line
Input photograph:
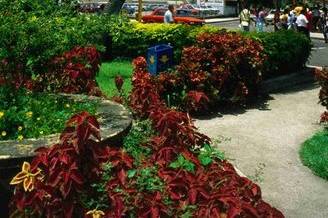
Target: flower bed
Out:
[220,68]
[24,114]
[165,169]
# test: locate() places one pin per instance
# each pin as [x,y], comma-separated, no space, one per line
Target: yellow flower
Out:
[20,137]
[38,118]
[96,213]
[1,114]
[26,177]
[29,114]
[67,105]
[20,128]
[3,133]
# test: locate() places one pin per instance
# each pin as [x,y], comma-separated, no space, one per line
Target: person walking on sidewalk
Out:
[245,19]
[168,16]
[302,23]
[316,17]
[260,22]
[324,23]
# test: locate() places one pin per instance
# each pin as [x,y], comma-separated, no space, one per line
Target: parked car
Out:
[181,16]
[193,10]
[128,9]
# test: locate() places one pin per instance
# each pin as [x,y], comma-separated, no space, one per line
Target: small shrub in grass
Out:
[181,176]
[314,154]
[109,71]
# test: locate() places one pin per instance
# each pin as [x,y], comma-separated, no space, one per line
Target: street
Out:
[319,56]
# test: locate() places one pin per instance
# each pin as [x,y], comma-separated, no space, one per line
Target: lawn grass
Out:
[314,154]
[107,73]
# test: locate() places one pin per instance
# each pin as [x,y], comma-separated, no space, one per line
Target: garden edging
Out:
[281,83]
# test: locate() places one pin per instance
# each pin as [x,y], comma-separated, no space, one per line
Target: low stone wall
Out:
[115,122]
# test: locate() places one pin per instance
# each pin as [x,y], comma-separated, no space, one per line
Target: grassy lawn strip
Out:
[314,154]
[109,70]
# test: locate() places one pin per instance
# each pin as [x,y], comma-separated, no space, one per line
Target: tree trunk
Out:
[115,6]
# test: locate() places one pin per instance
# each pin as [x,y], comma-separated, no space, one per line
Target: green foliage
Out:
[258,175]
[287,51]
[147,35]
[188,211]
[25,115]
[183,163]
[147,179]
[208,154]
[314,154]
[134,142]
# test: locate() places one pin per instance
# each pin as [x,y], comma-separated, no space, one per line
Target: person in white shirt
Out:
[168,16]
[302,23]
[245,19]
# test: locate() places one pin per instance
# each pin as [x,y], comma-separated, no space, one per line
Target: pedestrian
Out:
[245,19]
[260,21]
[302,23]
[316,17]
[292,20]
[309,17]
[284,19]
[168,16]
[276,19]
[324,23]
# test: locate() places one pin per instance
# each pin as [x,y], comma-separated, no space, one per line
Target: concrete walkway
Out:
[273,137]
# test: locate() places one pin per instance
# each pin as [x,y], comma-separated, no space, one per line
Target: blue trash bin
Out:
[159,58]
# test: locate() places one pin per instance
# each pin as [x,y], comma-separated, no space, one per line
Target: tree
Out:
[115,6]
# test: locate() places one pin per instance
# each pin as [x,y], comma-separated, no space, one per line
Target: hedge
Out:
[287,51]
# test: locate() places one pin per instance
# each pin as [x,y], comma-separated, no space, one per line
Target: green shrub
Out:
[133,39]
[287,51]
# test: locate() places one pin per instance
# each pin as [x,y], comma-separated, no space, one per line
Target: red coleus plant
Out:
[221,66]
[196,101]
[219,63]
[66,168]
[72,72]
[322,78]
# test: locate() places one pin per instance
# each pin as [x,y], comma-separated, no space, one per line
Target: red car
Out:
[181,16]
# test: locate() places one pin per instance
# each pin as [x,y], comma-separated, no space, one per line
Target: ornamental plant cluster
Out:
[164,169]
[220,67]
[72,72]
[322,77]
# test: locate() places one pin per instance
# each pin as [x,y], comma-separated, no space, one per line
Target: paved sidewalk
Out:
[273,137]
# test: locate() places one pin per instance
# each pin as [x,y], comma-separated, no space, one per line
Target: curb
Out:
[222,20]
[282,83]
[317,37]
